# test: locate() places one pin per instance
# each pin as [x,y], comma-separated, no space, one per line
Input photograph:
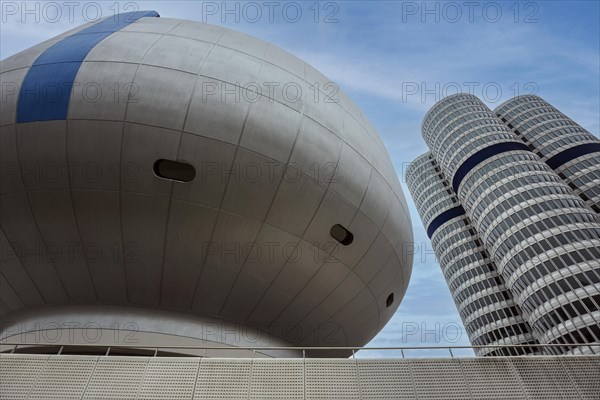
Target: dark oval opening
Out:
[389,300]
[174,170]
[341,234]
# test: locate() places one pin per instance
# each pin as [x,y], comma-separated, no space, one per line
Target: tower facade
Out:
[543,238]
[563,144]
[485,305]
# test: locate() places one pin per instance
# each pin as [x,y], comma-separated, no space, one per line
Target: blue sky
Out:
[395,59]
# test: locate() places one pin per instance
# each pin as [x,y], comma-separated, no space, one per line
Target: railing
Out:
[14,347]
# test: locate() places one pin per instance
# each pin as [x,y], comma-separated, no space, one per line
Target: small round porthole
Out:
[389,300]
[174,170]
[341,234]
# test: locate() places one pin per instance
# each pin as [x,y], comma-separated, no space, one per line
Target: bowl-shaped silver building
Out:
[173,182]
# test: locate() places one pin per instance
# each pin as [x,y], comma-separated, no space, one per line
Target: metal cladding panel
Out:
[356,136]
[212,159]
[21,231]
[103,91]
[343,294]
[41,147]
[223,379]
[282,86]
[252,185]
[385,379]
[273,248]
[377,201]
[274,137]
[584,373]
[117,48]
[234,67]
[212,290]
[489,377]
[272,303]
[10,82]
[302,190]
[439,379]
[178,283]
[277,379]
[94,154]
[178,90]
[350,255]
[189,231]
[331,379]
[351,176]
[144,223]
[102,241]
[178,53]
[333,210]
[116,378]
[277,56]
[230,238]
[53,212]
[14,271]
[19,373]
[164,96]
[172,378]
[216,115]
[319,287]
[316,152]
[244,296]
[550,377]
[152,25]
[12,180]
[374,259]
[64,377]
[243,43]
[328,331]
[191,29]
[7,294]
[300,268]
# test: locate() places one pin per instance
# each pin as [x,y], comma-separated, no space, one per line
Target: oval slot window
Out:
[341,234]
[174,170]
[389,300]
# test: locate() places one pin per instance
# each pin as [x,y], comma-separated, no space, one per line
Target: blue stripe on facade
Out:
[570,154]
[46,89]
[483,155]
[443,218]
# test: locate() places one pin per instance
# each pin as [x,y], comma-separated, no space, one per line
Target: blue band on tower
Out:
[570,154]
[46,89]
[481,156]
[443,218]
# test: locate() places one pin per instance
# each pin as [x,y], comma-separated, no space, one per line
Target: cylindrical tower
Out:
[543,238]
[569,149]
[486,307]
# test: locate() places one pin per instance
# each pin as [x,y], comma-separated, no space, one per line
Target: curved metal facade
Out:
[569,149]
[543,238]
[87,219]
[486,307]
